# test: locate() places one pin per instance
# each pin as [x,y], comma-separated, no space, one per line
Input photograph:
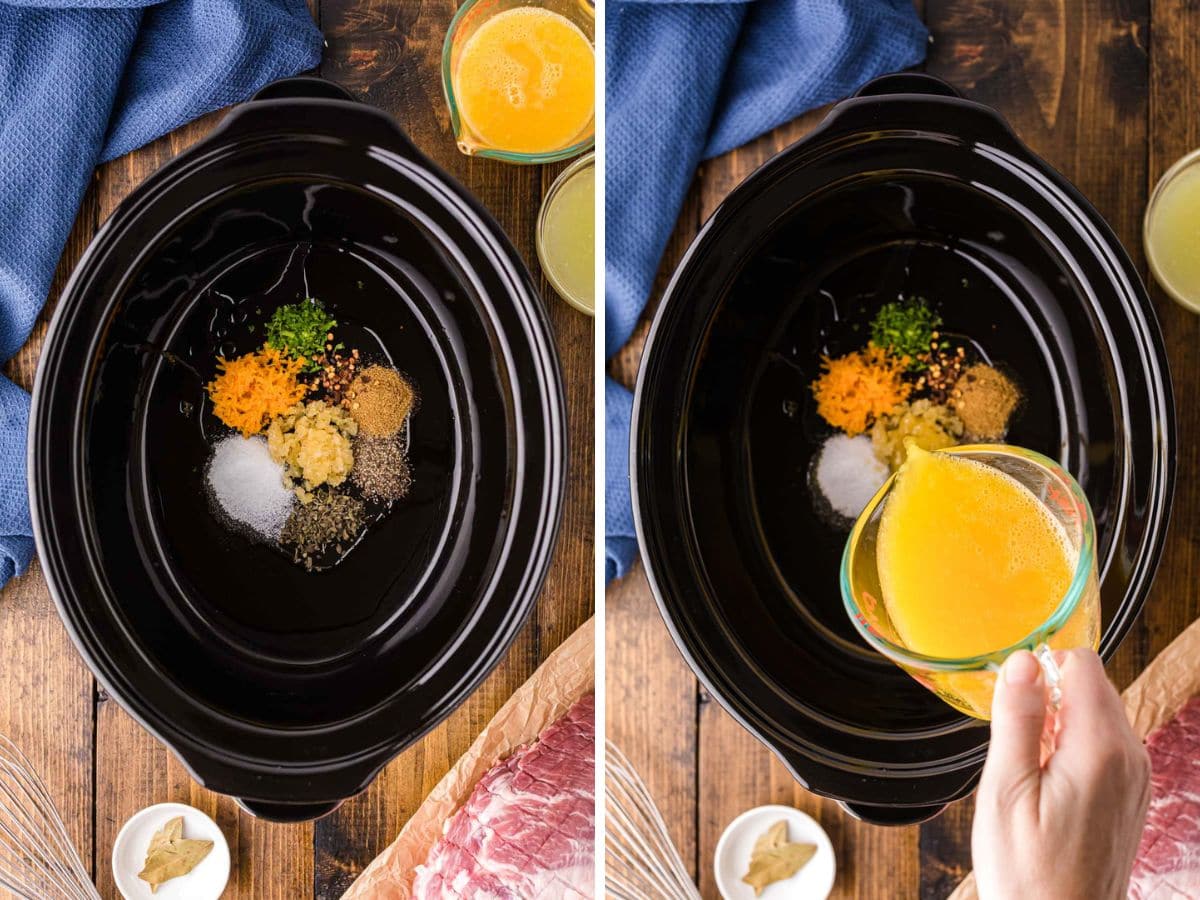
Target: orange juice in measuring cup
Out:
[967,555]
[520,78]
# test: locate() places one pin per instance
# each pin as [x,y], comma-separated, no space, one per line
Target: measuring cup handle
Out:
[1053,675]
[1045,657]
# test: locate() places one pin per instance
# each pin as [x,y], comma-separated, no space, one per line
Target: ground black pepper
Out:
[381,469]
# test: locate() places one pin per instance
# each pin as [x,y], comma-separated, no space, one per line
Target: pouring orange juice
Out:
[967,555]
[520,80]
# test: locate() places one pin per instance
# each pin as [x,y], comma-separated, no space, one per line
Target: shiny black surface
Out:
[896,194]
[394,309]
[289,689]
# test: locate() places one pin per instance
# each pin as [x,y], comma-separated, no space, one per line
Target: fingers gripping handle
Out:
[1052,674]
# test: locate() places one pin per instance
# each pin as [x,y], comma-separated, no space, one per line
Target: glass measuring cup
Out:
[1170,230]
[565,237]
[967,683]
[472,15]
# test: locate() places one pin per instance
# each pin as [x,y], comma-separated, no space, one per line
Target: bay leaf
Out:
[777,864]
[170,855]
[171,831]
[775,836]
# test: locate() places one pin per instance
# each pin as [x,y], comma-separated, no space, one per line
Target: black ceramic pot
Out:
[287,689]
[904,189]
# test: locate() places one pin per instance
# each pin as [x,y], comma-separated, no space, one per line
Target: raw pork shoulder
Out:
[1168,861]
[528,830]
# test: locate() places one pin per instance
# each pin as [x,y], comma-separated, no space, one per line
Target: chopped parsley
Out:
[906,328]
[301,330]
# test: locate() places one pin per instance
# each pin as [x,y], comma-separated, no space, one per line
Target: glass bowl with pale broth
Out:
[1171,231]
[566,234]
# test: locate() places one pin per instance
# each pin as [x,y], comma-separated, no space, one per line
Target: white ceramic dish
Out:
[813,882]
[205,882]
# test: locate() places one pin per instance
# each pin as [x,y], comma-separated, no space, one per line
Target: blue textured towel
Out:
[690,80]
[82,82]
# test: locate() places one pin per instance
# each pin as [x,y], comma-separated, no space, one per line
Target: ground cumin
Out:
[379,399]
[985,399]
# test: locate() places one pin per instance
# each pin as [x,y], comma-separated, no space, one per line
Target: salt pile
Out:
[848,473]
[248,485]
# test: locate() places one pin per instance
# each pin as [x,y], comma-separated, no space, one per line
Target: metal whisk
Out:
[37,860]
[641,862]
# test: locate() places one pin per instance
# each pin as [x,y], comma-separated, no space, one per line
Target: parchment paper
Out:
[566,675]
[1151,701]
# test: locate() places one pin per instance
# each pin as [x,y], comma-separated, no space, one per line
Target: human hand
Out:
[1069,828]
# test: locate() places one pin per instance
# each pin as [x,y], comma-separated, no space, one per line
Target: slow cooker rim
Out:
[212,763]
[1135,302]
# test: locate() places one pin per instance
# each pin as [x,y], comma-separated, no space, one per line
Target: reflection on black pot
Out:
[218,643]
[911,193]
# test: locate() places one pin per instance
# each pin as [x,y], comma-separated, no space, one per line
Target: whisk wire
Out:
[17,824]
[19,832]
[37,858]
[651,844]
[641,861]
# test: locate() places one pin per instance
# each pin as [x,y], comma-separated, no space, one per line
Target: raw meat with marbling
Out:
[528,830]
[1168,860]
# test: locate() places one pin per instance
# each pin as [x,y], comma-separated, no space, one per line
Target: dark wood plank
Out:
[46,698]
[133,770]
[650,709]
[1071,78]
[568,597]
[736,772]
[46,693]
[717,177]
[389,54]
[945,849]
[1174,129]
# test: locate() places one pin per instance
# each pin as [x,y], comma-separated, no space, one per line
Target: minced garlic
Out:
[312,441]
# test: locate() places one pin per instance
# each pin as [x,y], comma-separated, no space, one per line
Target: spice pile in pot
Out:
[317,446]
[910,384]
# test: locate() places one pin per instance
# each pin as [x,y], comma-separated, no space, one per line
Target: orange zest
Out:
[853,390]
[253,389]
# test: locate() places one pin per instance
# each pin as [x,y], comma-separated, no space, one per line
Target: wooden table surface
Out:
[1108,91]
[101,766]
